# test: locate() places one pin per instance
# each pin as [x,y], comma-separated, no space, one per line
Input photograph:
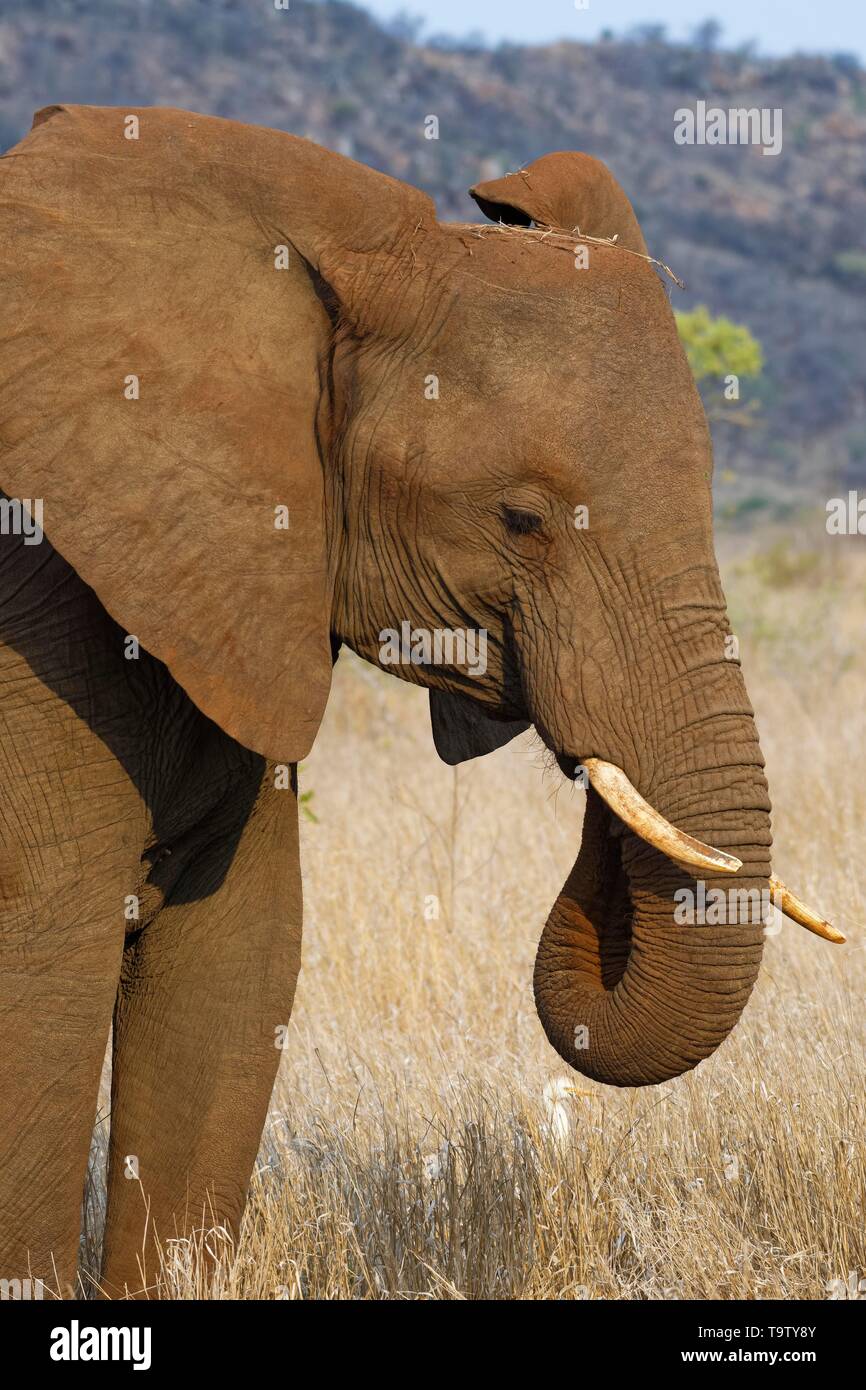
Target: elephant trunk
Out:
[630,991]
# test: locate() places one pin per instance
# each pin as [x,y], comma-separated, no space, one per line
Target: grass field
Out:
[410,1153]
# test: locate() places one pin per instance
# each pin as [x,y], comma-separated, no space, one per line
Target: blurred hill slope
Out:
[776,243]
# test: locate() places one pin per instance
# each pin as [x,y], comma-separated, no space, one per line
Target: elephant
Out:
[257,403]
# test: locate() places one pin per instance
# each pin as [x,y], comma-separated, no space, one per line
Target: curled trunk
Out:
[628,995]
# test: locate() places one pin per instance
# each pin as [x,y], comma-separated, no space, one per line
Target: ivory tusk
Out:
[617,791]
[796,909]
[614,788]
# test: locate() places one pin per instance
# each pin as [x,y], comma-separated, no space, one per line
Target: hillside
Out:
[776,243]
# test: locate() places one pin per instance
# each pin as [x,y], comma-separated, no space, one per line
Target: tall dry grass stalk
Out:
[409,1152]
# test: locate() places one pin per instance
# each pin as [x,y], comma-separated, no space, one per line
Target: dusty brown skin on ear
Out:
[155,258]
[566,190]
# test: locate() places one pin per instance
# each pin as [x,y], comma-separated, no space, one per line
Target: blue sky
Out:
[778,26]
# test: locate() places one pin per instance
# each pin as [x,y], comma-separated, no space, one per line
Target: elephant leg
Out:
[71,827]
[56,997]
[206,989]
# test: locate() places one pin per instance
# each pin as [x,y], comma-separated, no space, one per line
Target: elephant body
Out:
[271,405]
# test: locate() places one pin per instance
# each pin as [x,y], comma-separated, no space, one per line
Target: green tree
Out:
[717,350]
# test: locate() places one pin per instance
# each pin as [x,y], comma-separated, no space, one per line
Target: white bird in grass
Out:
[556,1095]
[435,1165]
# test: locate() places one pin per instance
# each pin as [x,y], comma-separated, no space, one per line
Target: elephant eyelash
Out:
[521,523]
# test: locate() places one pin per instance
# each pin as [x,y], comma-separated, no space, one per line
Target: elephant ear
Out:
[568,191]
[461,731]
[162,359]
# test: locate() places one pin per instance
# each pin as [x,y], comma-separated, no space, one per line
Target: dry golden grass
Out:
[408,1152]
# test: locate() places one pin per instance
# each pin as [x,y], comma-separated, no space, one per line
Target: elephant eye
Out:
[521,523]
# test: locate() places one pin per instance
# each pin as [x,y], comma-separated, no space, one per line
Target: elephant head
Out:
[273,405]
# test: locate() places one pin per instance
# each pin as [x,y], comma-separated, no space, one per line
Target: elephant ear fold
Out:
[159,389]
[568,191]
[461,731]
